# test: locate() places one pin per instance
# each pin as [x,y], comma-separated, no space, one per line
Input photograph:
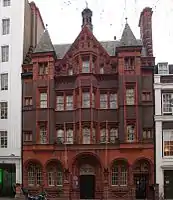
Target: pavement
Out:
[6,198]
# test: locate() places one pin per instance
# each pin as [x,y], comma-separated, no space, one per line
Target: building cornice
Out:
[163,118]
[163,86]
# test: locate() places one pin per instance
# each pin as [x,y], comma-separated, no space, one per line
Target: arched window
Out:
[69,136]
[60,136]
[119,174]
[86,135]
[34,175]
[55,175]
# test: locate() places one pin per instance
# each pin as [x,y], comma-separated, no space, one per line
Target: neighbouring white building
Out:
[20,28]
[163,86]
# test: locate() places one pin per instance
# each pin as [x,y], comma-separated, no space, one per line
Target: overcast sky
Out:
[64,21]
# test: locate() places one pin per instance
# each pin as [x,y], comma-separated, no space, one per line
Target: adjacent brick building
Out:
[88,115]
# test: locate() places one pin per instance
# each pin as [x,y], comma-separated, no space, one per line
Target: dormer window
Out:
[43,68]
[129,63]
[85,65]
[163,68]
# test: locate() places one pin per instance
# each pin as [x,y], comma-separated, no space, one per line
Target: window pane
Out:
[60,103]
[69,136]
[113,101]
[5,53]
[104,135]
[130,133]
[69,102]
[115,175]
[4,110]
[34,175]
[86,100]
[4,81]
[59,178]
[43,68]
[43,135]
[123,176]
[166,103]
[113,135]
[130,96]
[6,3]
[5,26]
[163,68]
[3,139]
[103,101]
[43,100]
[60,136]
[85,66]
[168,142]
[86,135]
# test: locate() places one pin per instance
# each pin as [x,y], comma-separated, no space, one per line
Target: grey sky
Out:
[64,21]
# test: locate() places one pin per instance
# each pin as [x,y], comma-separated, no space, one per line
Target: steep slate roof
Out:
[128,38]
[45,44]
[109,46]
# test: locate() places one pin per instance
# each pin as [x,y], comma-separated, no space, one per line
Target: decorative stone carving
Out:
[87,170]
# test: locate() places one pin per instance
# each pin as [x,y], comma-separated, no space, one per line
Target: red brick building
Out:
[88,115]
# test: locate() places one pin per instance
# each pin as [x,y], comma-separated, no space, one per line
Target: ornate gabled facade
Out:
[88,116]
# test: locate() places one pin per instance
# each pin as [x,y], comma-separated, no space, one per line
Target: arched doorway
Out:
[141,174]
[87,181]
[87,176]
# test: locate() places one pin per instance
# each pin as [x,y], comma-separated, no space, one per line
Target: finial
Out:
[86,4]
[126,19]
[46,26]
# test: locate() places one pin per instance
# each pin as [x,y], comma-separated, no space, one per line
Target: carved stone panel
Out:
[87,170]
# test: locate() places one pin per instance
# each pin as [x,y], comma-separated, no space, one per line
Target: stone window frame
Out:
[167,104]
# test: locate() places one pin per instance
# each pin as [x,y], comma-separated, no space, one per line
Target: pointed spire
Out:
[128,38]
[87,18]
[86,4]
[126,20]
[45,43]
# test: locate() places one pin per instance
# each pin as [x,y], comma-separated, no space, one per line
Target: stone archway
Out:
[87,176]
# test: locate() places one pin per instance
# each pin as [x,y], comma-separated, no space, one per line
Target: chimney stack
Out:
[145,24]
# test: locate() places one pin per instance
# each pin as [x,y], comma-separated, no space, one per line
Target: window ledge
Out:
[168,158]
[119,188]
